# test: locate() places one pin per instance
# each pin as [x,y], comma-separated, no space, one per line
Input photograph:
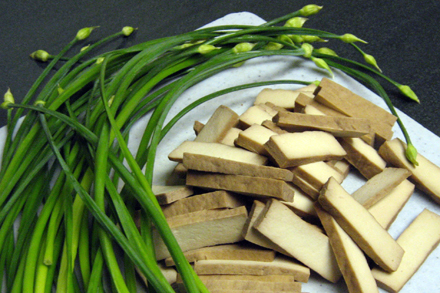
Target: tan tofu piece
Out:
[169,273]
[342,166]
[207,201]
[197,127]
[363,156]
[253,138]
[269,124]
[317,173]
[280,266]
[216,150]
[302,204]
[305,186]
[169,194]
[418,240]
[425,176]
[338,126]
[280,97]
[362,227]
[303,101]
[231,136]
[379,186]
[239,251]
[203,228]
[247,185]
[386,210]
[341,99]
[251,286]
[351,260]
[254,115]
[225,166]
[221,121]
[294,149]
[312,110]
[265,278]
[309,246]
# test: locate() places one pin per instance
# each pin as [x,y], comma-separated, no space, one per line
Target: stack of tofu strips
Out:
[262,203]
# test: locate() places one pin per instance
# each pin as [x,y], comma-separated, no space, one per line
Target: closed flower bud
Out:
[40,103]
[40,55]
[243,47]
[8,99]
[84,48]
[296,22]
[310,9]
[205,49]
[127,30]
[296,39]
[407,91]
[312,39]
[308,49]
[349,38]
[326,51]
[84,33]
[411,154]
[273,46]
[371,60]
[322,64]
[100,60]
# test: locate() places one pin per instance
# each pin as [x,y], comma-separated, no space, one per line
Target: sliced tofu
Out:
[218,125]
[269,124]
[225,166]
[203,228]
[169,194]
[252,186]
[207,201]
[425,176]
[311,247]
[379,186]
[362,227]
[386,210]
[351,260]
[251,286]
[294,149]
[306,187]
[254,138]
[254,115]
[302,204]
[338,126]
[217,150]
[280,266]
[239,251]
[280,97]
[342,166]
[317,173]
[231,136]
[363,156]
[197,127]
[418,240]
[304,101]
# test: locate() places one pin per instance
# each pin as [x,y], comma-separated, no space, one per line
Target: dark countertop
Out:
[402,35]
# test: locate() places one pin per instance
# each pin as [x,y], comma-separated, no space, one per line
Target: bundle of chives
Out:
[61,169]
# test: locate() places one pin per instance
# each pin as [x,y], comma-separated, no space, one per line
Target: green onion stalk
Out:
[68,180]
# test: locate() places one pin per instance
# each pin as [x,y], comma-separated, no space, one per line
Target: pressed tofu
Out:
[252,286]
[254,115]
[280,97]
[304,101]
[363,156]
[269,124]
[253,186]
[231,136]
[207,201]
[218,125]
[317,173]
[294,149]
[338,126]
[203,228]
[306,187]
[169,194]
[311,247]
[302,204]
[342,166]
[379,186]
[225,166]
[351,260]
[280,266]
[418,240]
[386,210]
[216,150]
[362,227]
[239,251]
[425,176]
[254,138]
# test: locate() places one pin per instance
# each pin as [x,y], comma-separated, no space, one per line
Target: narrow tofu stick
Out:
[218,125]
[169,194]
[342,166]
[425,176]
[280,97]
[379,186]
[254,138]
[305,186]
[294,149]
[386,210]
[362,227]
[231,136]
[251,286]
[302,204]
[350,258]
[254,115]
[303,101]
[418,240]
[317,173]
[311,247]
[225,166]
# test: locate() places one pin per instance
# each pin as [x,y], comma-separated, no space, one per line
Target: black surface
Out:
[402,35]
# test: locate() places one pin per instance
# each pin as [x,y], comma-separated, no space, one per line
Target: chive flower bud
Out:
[326,51]
[8,99]
[285,38]
[243,47]
[40,103]
[322,64]
[310,9]
[308,49]
[205,49]
[273,46]
[411,154]
[296,22]
[127,30]
[296,38]
[40,55]
[312,39]
[316,82]
[407,91]
[371,60]
[84,33]
[350,38]
[99,60]
[84,48]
